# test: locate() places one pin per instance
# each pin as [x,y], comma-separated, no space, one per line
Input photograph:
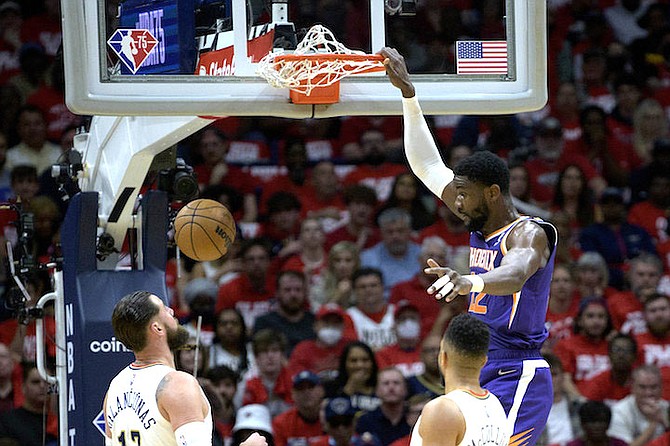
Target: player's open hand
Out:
[450,284]
[396,68]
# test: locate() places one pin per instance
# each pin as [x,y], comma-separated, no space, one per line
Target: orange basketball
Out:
[204,229]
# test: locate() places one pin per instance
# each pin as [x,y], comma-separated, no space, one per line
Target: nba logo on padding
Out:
[133,46]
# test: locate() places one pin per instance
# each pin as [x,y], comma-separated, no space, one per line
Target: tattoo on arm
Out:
[162,386]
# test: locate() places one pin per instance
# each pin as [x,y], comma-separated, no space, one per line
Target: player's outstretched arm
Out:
[442,423]
[527,251]
[420,148]
[180,401]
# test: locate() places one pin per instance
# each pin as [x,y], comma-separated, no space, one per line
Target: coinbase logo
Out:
[112,345]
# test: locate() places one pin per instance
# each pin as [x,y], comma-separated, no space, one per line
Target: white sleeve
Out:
[193,434]
[421,150]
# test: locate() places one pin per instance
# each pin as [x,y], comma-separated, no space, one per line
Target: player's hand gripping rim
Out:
[449,285]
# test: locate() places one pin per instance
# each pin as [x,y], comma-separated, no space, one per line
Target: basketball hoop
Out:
[313,71]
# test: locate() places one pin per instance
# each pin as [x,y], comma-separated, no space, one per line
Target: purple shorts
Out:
[523,386]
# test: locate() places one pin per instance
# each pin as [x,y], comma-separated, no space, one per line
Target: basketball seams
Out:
[207,236]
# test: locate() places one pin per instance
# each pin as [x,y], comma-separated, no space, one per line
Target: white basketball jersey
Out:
[132,412]
[485,419]
[376,334]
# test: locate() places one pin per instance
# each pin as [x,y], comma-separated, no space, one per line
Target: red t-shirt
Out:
[380,178]
[626,311]
[310,355]
[256,393]
[44,30]
[413,291]
[651,218]
[52,104]
[655,350]
[407,361]
[290,429]
[583,358]
[560,325]
[239,293]
[343,234]
[603,388]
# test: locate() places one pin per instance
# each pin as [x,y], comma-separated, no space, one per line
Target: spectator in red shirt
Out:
[295,179]
[272,385]
[323,198]
[414,290]
[322,355]
[252,291]
[613,385]
[651,213]
[584,354]
[361,201]
[563,306]
[310,259]
[45,28]
[405,353]
[450,228]
[643,276]
[11,395]
[300,425]
[592,276]
[374,170]
[654,346]
[212,146]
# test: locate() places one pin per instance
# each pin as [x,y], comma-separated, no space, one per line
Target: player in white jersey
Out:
[149,402]
[466,414]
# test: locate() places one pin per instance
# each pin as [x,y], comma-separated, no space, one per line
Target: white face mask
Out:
[408,329]
[329,335]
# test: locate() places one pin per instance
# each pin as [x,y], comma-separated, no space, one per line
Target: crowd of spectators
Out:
[316,325]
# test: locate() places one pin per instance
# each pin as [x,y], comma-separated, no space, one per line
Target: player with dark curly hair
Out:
[511,264]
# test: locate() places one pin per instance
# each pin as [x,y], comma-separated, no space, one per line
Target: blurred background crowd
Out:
[316,328]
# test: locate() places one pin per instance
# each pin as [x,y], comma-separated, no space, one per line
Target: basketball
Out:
[204,229]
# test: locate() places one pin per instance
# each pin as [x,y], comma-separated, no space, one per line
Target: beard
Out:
[177,338]
[478,221]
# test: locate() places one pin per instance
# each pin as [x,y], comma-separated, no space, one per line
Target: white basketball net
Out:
[307,73]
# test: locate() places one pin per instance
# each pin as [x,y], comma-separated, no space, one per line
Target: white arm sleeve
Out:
[421,150]
[193,434]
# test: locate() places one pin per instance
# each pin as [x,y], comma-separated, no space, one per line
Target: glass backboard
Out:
[199,57]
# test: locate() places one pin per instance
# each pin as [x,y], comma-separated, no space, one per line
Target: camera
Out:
[179,182]
[400,7]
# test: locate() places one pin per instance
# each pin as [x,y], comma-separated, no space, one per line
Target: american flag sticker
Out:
[477,57]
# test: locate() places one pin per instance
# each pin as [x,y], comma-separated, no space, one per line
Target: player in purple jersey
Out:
[511,264]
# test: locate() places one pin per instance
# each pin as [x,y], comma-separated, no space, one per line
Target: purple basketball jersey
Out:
[516,320]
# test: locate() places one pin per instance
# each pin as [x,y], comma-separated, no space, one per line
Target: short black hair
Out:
[467,335]
[221,373]
[360,193]
[366,271]
[131,317]
[624,337]
[283,201]
[594,411]
[486,168]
